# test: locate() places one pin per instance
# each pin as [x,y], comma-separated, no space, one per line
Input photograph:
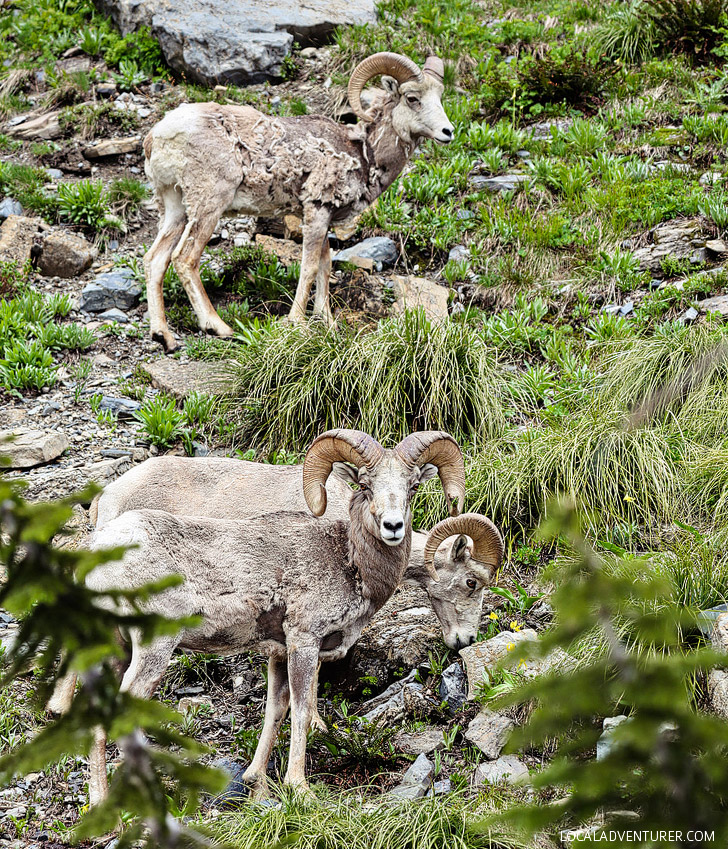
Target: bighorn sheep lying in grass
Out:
[293,587]
[204,159]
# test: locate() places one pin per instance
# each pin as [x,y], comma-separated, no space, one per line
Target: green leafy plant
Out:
[84,202]
[161,421]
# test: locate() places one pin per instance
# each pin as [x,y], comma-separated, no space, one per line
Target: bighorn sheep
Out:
[295,588]
[204,159]
[238,489]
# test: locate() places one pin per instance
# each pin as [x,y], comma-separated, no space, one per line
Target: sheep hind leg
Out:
[315,230]
[186,260]
[145,671]
[321,306]
[62,696]
[156,262]
[276,708]
[302,668]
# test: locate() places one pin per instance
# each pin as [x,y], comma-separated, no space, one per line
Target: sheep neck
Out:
[380,567]
[386,151]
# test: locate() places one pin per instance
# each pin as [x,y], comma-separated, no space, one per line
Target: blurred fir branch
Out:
[664,770]
[44,589]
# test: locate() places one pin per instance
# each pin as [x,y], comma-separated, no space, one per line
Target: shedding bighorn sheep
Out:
[294,587]
[205,159]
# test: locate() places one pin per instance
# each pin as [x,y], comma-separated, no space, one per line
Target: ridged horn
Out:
[435,67]
[487,540]
[335,446]
[394,64]
[440,449]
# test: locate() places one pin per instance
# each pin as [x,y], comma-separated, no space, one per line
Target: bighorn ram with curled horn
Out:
[204,159]
[296,588]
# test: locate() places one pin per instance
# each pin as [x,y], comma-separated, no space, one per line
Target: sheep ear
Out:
[346,472]
[427,472]
[390,85]
[459,548]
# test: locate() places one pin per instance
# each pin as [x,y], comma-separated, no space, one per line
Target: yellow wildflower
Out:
[515,626]
[629,499]
[510,646]
[493,615]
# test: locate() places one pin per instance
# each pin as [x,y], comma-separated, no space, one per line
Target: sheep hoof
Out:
[317,723]
[165,339]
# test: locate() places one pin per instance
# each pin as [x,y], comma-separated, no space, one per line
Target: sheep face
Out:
[385,493]
[457,598]
[418,111]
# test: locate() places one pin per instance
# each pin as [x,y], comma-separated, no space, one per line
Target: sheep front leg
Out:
[321,306]
[276,708]
[302,669]
[315,230]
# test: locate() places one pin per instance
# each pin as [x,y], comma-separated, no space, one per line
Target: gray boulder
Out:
[114,289]
[65,254]
[454,687]
[377,252]
[124,408]
[241,41]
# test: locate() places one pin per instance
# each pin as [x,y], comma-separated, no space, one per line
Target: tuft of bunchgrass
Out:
[291,383]
[352,820]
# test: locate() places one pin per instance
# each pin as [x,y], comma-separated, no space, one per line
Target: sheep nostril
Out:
[393,526]
[447,132]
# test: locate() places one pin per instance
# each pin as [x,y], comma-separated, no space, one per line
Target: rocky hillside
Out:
[550,288]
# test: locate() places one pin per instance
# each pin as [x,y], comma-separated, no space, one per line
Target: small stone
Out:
[309,53]
[454,687]
[417,780]
[718,691]
[380,250]
[414,292]
[440,788]
[489,732]
[605,743]
[189,702]
[18,235]
[124,408]
[719,633]
[114,315]
[717,246]
[626,308]
[710,178]
[10,207]
[114,289]
[507,768]
[237,790]
[106,89]
[54,173]
[32,447]
[689,316]
[50,408]
[500,183]
[65,254]
[460,253]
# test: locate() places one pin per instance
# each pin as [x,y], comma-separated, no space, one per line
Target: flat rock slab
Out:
[672,241]
[113,147]
[419,742]
[238,42]
[377,252]
[501,183]
[481,658]
[179,379]
[31,448]
[417,780]
[39,127]
[718,303]
[507,768]
[414,292]
[286,250]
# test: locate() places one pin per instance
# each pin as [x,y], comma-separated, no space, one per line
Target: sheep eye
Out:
[412,100]
[471,583]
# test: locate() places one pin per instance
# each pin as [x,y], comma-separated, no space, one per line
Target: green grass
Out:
[289,384]
[343,820]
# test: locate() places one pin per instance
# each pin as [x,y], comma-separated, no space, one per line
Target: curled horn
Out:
[434,67]
[487,541]
[394,64]
[440,449]
[339,445]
